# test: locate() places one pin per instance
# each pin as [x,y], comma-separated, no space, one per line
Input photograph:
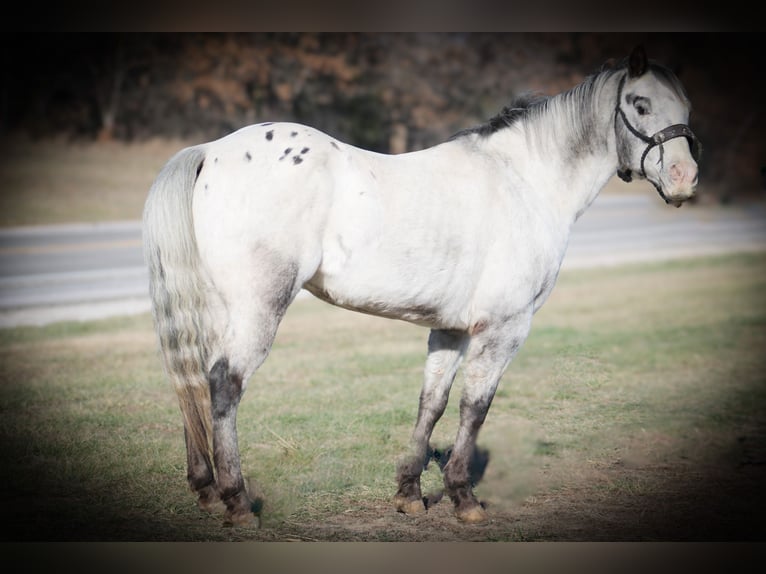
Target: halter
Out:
[669,133]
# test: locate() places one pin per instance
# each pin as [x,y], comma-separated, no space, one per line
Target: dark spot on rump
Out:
[248,157]
[270,135]
[199,168]
[225,388]
[293,134]
[297,159]
[305,150]
[333,144]
[287,152]
[372,173]
[216,160]
[206,186]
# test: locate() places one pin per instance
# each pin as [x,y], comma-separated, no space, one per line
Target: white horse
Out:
[465,238]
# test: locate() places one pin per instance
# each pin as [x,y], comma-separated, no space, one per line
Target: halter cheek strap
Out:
[669,133]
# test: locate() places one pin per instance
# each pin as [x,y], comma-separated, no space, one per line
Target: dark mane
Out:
[527,104]
[510,114]
[530,105]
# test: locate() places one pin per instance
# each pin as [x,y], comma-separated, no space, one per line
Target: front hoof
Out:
[241,511]
[473,515]
[409,506]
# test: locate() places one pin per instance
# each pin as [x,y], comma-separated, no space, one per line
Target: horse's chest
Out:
[530,267]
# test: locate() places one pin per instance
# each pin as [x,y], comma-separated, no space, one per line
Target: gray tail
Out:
[176,288]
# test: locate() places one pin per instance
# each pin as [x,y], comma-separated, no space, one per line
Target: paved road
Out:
[81,272]
[71,272]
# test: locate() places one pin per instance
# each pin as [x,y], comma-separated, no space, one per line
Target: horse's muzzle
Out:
[680,182]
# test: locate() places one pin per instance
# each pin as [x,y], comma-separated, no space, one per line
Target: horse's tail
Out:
[177,291]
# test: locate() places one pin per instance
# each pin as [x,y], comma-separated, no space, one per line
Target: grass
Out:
[58,181]
[634,411]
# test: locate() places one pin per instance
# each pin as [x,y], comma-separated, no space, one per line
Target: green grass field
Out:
[635,411]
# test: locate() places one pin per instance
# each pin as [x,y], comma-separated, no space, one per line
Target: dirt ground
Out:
[724,501]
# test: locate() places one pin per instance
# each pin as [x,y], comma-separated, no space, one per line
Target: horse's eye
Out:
[642,106]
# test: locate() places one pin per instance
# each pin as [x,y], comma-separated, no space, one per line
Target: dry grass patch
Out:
[59,181]
[633,412]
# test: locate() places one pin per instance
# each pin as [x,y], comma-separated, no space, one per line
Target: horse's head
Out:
[653,138]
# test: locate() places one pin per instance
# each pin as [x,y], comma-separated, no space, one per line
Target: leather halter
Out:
[669,133]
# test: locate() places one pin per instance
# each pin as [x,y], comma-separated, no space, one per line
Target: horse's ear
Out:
[637,63]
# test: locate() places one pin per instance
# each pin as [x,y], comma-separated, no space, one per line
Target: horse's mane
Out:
[509,115]
[578,101]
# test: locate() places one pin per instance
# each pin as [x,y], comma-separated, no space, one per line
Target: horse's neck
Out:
[567,154]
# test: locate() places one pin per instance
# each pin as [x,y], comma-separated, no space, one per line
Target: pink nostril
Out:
[683,173]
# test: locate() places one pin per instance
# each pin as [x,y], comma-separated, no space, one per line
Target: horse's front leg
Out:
[490,351]
[445,350]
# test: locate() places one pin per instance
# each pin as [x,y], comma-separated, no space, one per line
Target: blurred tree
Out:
[374,90]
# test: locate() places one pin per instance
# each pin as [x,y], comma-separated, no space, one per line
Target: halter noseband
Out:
[669,133]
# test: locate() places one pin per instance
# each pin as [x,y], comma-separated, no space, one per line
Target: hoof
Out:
[209,500]
[242,519]
[409,506]
[215,506]
[473,515]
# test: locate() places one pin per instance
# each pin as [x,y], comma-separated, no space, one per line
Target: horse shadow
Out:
[476,468]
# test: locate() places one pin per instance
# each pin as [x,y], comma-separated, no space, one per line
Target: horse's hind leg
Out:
[201,478]
[255,307]
[246,346]
[226,390]
[445,349]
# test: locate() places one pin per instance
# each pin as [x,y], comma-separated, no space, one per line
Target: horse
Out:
[465,238]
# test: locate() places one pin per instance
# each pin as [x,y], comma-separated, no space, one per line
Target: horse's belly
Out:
[401,287]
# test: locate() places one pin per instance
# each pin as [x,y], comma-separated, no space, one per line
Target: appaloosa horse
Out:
[465,238]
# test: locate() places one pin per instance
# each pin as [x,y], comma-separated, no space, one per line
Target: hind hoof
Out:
[208,500]
[409,506]
[473,515]
[242,519]
[212,506]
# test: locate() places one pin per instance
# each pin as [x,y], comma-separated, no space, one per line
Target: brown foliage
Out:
[374,90]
